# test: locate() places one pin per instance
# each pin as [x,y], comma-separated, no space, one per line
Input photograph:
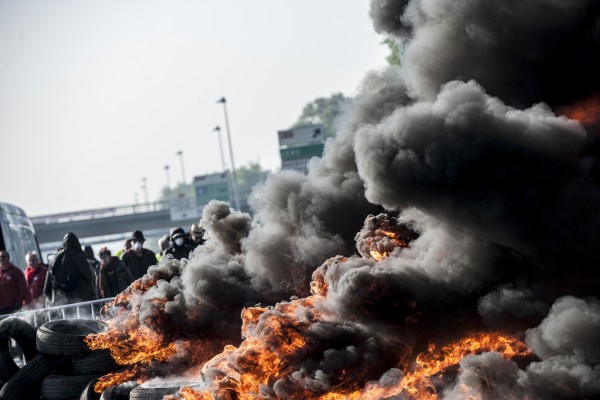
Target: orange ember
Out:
[393,241]
[585,111]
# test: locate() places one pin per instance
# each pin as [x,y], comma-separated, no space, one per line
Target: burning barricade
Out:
[480,280]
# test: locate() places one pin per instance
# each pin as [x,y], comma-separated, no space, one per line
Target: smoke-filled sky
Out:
[96,95]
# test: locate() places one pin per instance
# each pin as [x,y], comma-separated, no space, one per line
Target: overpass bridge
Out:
[111,221]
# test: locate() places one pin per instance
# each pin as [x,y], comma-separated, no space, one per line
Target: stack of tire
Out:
[59,365]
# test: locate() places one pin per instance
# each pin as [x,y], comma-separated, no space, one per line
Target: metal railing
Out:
[86,309]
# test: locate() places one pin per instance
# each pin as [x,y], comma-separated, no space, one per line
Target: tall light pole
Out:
[218,130]
[236,196]
[145,188]
[180,154]
[168,180]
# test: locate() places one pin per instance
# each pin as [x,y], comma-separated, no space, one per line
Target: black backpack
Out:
[61,280]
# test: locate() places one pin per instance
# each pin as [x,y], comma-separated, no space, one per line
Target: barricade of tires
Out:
[59,365]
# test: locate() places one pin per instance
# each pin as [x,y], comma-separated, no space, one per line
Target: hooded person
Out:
[137,258]
[179,248]
[69,278]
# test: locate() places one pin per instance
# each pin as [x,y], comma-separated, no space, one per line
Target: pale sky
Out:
[95,95]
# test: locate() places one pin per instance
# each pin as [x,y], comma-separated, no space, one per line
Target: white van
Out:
[17,235]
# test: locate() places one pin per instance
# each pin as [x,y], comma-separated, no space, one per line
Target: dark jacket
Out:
[71,265]
[138,264]
[113,278]
[190,240]
[179,252]
[13,289]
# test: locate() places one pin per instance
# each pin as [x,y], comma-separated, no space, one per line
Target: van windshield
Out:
[18,236]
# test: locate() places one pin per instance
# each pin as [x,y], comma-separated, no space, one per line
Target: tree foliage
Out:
[247,177]
[323,110]
[394,57]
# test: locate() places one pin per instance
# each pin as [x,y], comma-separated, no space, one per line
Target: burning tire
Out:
[27,380]
[118,392]
[60,387]
[88,392]
[152,393]
[24,334]
[97,362]
[66,337]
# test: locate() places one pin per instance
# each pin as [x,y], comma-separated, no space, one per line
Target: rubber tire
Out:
[59,387]
[117,392]
[96,362]
[152,393]
[65,337]
[28,378]
[88,392]
[24,334]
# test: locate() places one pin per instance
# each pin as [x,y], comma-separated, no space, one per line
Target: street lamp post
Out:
[180,154]
[218,130]
[145,188]
[236,196]
[168,180]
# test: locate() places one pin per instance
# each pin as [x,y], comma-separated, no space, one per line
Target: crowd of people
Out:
[75,274]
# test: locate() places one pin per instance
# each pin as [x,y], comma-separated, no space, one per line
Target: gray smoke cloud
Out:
[461,144]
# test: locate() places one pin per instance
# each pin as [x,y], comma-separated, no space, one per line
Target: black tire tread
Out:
[58,387]
[96,362]
[24,334]
[58,343]
[88,392]
[30,376]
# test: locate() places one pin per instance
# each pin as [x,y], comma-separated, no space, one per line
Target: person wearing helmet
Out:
[195,237]
[178,248]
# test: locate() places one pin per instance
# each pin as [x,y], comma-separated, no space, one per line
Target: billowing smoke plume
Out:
[461,146]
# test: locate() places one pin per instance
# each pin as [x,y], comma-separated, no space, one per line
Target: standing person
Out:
[163,244]
[94,265]
[195,237]
[178,248]
[13,288]
[89,253]
[138,259]
[35,276]
[126,246]
[113,275]
[69,278]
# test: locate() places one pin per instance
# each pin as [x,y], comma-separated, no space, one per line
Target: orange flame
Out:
[393,240]
[418,383]
[132,346]
[115,378]
[586,111]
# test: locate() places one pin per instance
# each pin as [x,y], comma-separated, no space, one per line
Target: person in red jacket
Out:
[35,276]
[13,288]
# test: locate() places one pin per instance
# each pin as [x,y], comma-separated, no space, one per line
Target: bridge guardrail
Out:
[100,213]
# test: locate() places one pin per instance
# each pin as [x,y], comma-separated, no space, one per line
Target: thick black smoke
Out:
[460,143]
[523,52]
